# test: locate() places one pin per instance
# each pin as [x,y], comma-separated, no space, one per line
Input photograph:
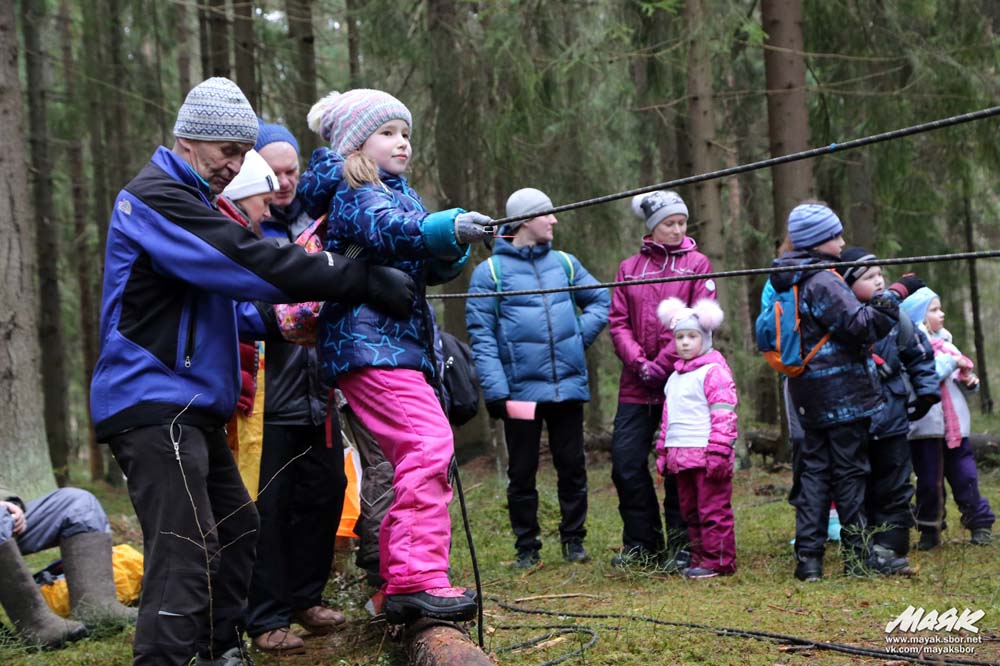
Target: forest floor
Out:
[761,596]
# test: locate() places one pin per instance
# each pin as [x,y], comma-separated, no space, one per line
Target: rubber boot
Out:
[26,608]
[90,576]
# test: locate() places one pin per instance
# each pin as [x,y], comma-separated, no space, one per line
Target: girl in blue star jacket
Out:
[382,364]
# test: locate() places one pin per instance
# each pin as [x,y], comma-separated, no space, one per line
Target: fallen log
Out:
[440,643]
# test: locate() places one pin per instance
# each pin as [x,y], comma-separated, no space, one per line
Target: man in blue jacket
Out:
[167,378]
[531,349]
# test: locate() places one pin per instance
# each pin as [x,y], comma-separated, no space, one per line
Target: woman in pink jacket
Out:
[697,436]
[647,352]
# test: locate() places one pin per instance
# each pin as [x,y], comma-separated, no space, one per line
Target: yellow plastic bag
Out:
[126,562]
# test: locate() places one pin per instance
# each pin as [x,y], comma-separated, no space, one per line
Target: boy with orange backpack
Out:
[835,393]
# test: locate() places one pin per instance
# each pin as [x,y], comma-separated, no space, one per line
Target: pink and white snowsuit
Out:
[696,443]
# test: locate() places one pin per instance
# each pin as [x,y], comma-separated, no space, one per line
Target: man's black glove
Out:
[497,409]
[391,291]
[918,408]
[906,285]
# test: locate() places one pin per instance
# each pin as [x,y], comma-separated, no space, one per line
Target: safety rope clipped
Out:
[763,164]
[742,272]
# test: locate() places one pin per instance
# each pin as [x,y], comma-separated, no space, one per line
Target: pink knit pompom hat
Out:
[347,119]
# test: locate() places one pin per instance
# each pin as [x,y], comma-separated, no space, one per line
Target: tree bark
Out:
[116,123]
[54,377]
[787,115]
[353,43]
[204,41]
[985,398]
[26,466]
[300,31]
[218,44]
[93,20]
[160,102]
[82,254]
[183,33]
[701,123]
[862,210]
[246,71]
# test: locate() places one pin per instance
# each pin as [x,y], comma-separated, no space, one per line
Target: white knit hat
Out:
[216,110]
[255,177]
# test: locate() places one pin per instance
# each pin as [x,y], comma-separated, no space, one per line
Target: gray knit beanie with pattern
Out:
[217,110]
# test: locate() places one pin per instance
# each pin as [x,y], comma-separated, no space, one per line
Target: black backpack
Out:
[461,384]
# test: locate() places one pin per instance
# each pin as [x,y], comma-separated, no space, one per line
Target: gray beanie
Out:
[216,110]
[654,207]
[526,201]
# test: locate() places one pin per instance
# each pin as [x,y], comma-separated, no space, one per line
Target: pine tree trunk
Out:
[93,20]
[204,41]
[985,398]
[862,211]
[451,109]
[82,255]
[246,72]
[787,115]
[54,376]
[116,122]
[183,34]
[300,31]
[218,44]
[26,466]
[701,124]
[353,43]
[158,107]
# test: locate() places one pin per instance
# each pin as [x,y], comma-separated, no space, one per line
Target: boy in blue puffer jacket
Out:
[837,394]
[383,364]
[531,349]
[904,359]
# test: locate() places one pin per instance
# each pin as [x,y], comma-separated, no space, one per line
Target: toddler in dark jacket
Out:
[904,359]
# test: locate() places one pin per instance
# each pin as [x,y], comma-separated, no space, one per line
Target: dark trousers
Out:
[934,462]
[833,465]
[183,545]
[635,433]
[565,425]
[299,513]
[889,493]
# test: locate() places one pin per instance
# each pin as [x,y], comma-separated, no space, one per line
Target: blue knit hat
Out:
[812,224]
[916,304]
[268,133]
[216,110]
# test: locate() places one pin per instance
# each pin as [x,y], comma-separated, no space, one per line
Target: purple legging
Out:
[934,462]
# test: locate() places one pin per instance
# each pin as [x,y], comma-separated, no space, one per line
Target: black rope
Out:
[753,634]
[763,164]
[925,259]
[558,630]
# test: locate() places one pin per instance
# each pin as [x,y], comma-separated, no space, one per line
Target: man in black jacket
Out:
[167,376]
[301,508]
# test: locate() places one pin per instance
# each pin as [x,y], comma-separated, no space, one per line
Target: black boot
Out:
[929,539]
[456,604]
[808,568]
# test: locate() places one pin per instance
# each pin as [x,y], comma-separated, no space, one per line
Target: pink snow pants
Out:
[707,509]
[403,414]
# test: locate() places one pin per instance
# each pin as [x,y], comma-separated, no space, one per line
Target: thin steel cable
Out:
[924,259]
[751,633]
[774,161]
